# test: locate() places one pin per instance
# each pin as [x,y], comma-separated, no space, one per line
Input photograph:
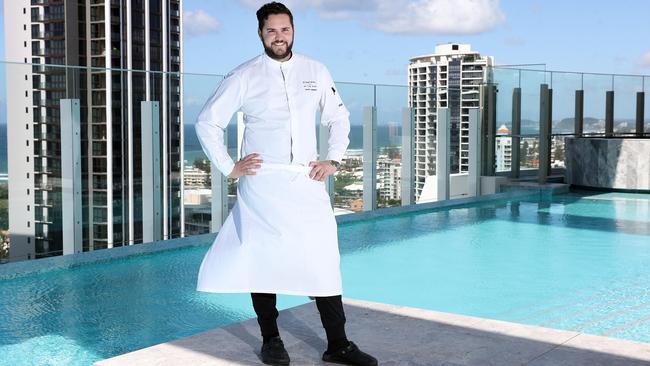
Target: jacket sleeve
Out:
[335,116]
[214,118]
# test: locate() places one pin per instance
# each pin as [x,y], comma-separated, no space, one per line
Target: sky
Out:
[371,41]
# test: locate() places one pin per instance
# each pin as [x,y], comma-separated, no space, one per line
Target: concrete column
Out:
[71,176]
[151,172]
[516,132]
[407,183]
[442,154]
[640,106]
[323,146]
[579,114]
[544,133]
[474,178]
[369,158]
[219,202]
[609,113]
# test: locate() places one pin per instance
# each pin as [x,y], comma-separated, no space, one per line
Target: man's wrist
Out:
[335,163]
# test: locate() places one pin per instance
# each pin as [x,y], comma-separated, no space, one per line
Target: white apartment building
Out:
[449,78]
[196,178]
[503,149]
[73,49]
[389,174]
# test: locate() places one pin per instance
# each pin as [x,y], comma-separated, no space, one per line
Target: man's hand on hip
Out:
[321,170]
[246,166]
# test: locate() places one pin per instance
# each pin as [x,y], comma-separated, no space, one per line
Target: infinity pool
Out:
[578,261]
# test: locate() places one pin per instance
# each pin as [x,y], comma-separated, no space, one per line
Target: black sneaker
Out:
[350,355]
[274,353]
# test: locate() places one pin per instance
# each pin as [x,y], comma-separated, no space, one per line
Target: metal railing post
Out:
[579,113]
[71,176]
[516,133]
[151,172]
[442,154]
[323,138]
[609,113]
[544,133]
[474,173]
[369,158]
[640,109]
[219,187]
[407,182]
[490,130]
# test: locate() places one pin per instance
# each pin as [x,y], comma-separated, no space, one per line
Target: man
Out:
[281,235]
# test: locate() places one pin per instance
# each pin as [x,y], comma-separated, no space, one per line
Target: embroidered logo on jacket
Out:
[310,85]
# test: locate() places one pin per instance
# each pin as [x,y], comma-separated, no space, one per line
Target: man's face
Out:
[277,36]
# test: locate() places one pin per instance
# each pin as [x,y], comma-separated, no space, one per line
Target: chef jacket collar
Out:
[277,63]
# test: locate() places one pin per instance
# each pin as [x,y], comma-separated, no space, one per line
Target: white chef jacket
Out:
[279,101]
[281,235]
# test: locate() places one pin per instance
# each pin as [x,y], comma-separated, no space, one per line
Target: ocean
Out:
[385,137]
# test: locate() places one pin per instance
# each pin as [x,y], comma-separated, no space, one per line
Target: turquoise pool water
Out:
[578,261]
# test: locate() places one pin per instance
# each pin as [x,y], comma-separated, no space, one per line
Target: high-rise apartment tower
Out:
[449,78]
[104,44]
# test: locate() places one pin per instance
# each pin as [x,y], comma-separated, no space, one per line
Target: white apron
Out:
[281,235]
[264,246]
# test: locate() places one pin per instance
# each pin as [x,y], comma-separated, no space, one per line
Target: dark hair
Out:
[270,9]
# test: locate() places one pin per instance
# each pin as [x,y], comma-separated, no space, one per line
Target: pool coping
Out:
[397,335]
[29,267]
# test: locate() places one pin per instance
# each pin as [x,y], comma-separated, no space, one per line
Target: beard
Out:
[278,56]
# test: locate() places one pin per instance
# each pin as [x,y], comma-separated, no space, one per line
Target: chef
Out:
[281,235]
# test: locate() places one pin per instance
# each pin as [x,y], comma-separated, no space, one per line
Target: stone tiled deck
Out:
[398,336]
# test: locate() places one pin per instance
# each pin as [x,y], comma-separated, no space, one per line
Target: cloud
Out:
[644,60]
[445,17]
[439,16]
[196,23]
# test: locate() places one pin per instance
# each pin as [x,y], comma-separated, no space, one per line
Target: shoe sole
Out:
[335,361]
[276,363]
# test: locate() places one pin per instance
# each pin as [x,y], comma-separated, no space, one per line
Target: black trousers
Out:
[331,314]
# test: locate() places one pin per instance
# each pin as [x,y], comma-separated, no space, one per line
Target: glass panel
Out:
[506,81]
[503,152]
[531,80]
[424,102]
[529,153]
[348,182]
[557,151]
[595,87]
[197,168]
[625,89]
[564,86]
[391,100]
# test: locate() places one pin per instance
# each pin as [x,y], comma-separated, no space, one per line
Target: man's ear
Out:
[259,33]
